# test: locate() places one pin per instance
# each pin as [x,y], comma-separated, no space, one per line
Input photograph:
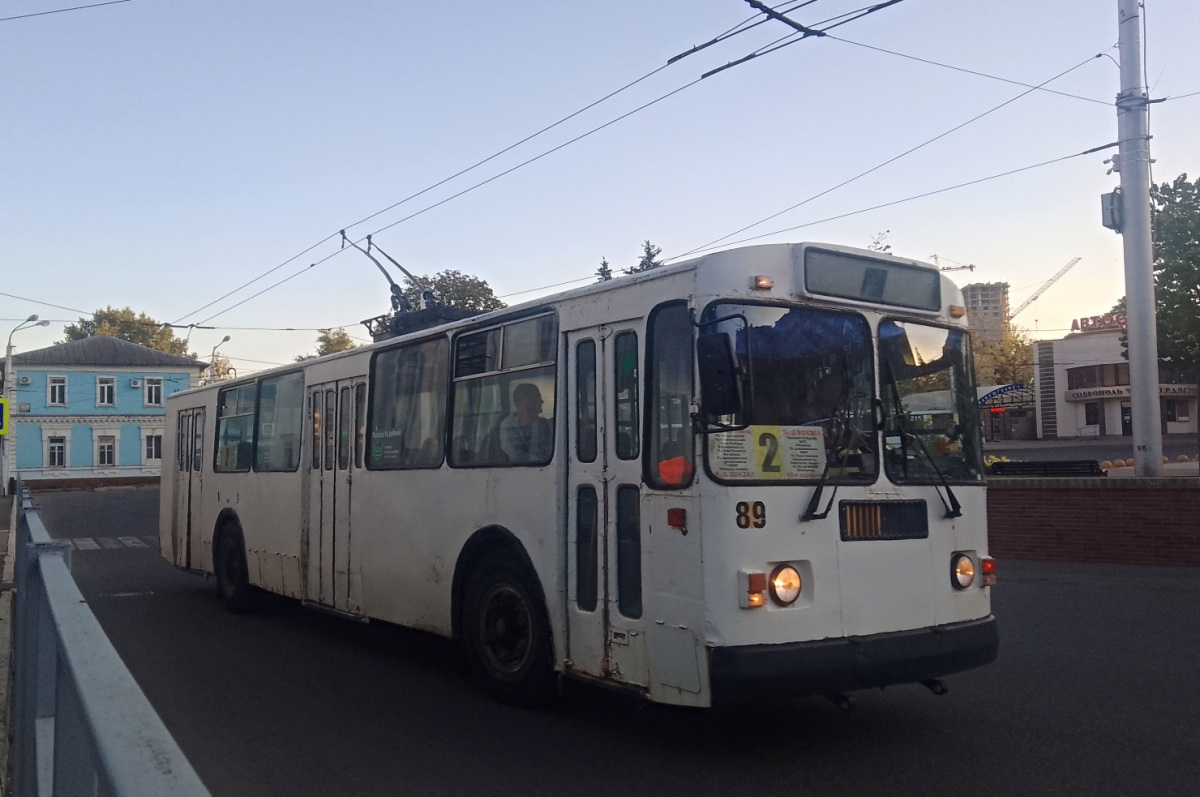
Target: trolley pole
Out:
[1134,159]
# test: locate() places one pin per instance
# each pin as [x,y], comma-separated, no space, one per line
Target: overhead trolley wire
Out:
[860,211]
[912,198]
[431,187]
[741,28]
[62,10]
[877,167]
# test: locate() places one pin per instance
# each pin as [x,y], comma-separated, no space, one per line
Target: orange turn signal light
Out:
[989,572]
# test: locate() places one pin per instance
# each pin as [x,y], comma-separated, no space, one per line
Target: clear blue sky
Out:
[161,153]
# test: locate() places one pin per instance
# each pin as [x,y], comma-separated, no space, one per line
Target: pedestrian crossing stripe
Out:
[112,543]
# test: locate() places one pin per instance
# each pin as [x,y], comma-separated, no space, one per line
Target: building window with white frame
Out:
[153,448]
[56,391]
[106,391]
[154,391]
[56,452]
[106,449]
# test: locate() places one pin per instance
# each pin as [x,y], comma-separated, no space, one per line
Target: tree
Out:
[1176,214]
[329,341]
[1177,273]
[124,324]
[648,260]
[1007,361]
[220,370]
[604,273]
[456,289]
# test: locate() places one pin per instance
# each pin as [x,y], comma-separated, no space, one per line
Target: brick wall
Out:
[1114,521]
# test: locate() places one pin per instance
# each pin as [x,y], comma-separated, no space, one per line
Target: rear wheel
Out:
[233,577]
[507,635]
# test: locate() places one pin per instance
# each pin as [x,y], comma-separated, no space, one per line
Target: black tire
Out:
[507,635]
[233,577]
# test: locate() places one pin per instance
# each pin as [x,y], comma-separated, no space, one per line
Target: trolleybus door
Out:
[605,634]
[331,562]
[189,489]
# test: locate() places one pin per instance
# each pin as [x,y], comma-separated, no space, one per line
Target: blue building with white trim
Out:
[92,410]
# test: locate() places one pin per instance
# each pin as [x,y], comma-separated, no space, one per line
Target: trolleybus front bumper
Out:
[832,666]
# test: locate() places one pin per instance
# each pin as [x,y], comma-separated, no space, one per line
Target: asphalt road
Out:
[1095,692]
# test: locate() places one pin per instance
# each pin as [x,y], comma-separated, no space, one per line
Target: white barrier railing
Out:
[81,724]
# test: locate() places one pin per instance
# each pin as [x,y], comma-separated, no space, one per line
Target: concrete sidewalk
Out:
[1169,470]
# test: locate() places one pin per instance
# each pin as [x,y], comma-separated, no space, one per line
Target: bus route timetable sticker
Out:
[768,452]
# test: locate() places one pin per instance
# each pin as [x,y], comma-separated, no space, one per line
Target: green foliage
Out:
[604,273]
[648,260]
[456,289]
[1177,272]
[1176,276]
[329,341]
[124,324]
[1006,361]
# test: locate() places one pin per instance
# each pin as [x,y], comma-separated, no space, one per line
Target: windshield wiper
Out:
[810,512]
[953,508]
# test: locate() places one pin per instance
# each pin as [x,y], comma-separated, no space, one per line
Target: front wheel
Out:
[233,577]
[507,635]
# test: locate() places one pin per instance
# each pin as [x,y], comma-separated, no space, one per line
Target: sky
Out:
[196,160]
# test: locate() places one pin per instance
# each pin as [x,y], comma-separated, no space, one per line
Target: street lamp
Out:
[7,389]
[212,361]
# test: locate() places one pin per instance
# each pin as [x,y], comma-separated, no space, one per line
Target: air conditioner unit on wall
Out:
[135,383]
[24,380]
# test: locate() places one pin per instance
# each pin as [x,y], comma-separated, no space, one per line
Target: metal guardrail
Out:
[81,724]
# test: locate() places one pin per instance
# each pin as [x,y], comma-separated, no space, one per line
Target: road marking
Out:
[130,594]
[110,543]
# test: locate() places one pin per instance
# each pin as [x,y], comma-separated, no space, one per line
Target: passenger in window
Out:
[525,436]
[827,408]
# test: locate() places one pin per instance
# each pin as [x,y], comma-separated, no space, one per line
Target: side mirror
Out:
[720,388]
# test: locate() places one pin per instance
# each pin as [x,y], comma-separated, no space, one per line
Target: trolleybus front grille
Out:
[883,520]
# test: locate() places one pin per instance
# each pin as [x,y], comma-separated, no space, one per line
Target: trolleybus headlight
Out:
[785,585]
[962,570]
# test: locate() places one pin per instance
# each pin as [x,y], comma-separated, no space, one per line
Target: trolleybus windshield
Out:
[931,426]
[808,397]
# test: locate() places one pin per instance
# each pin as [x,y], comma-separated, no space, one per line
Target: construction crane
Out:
[1045,286]
[937,261]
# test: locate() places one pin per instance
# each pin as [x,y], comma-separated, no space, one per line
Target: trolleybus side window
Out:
[408,406]
[360,423]
[625,395]
[585,401]
[280,422]
[504,381]
[315,399]
[629,551]
[235,429]
[182,441]
[670,455]
[329,432]
[587,548]
[344,428]
[197,423]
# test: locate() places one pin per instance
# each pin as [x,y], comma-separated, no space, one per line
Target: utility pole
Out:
[1134,161]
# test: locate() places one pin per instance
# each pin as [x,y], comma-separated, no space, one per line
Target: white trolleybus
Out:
[713,481]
